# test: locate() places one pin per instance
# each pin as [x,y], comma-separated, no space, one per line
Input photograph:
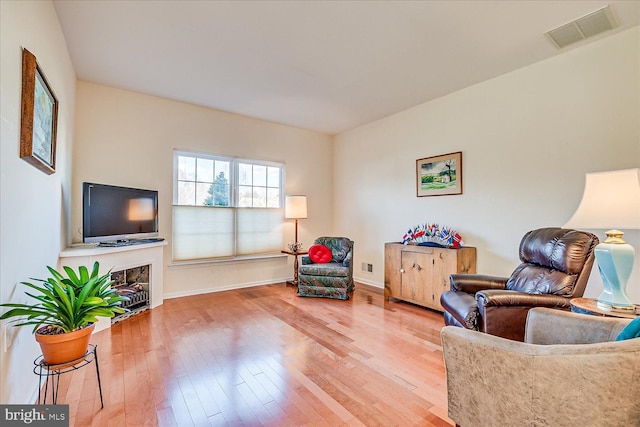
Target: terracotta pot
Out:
[61,348]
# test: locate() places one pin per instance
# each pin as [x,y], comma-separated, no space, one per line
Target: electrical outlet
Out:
[367,267]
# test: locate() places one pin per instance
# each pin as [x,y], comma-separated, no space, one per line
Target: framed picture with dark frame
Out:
[439,175]
[39,117]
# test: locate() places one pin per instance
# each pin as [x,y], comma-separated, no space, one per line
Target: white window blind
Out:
[226,207]
[200,233]
[259,230]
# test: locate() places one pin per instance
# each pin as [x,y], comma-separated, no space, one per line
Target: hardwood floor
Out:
[262,356]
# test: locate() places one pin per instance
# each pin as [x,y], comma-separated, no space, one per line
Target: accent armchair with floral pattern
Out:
[333,279]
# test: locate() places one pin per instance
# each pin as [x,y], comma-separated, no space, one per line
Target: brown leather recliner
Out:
[556,264]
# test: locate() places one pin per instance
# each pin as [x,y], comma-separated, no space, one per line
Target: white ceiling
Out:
[327,66]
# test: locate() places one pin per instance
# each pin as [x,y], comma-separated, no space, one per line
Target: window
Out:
[225,207]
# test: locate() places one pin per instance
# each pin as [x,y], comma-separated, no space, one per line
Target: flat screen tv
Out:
[111,213]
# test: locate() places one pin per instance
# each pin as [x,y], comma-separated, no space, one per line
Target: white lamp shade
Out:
[295,207]
[610,200]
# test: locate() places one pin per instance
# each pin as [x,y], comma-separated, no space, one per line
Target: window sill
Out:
[241,259]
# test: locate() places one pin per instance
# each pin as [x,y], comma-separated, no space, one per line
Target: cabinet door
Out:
[416,277]
[445,264]
[392,266]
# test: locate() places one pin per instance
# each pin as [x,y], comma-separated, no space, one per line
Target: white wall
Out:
[126,138]
[33,211]
[527,139]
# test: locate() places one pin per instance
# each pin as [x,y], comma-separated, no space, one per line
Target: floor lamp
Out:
[611,200]
[295,208]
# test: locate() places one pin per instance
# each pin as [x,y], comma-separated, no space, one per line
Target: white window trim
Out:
[205,262]
[233,179]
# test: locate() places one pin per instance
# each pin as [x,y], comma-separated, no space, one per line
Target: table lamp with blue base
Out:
[615,262]
[611,199]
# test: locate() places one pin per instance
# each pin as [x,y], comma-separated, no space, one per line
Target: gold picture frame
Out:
[38,125]
[439,175]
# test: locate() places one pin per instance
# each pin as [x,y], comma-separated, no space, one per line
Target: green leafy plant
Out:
[66,304]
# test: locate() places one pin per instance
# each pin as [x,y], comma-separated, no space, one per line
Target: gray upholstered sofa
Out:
[568,372]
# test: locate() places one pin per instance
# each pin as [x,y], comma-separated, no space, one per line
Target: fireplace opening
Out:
[134,284]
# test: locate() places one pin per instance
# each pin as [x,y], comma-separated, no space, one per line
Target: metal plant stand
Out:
[50,374]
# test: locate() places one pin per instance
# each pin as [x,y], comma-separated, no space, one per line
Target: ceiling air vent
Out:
[589,25]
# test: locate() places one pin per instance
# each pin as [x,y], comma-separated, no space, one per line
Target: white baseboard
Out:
[223,288]
[248,285]
[369,282]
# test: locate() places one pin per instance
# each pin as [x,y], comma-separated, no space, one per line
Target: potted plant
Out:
[66,310]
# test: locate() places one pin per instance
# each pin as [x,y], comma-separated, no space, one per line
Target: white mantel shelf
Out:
[117,259]
[94,249]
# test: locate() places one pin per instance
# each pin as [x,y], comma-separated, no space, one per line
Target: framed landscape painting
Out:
[439,175]
[39,117]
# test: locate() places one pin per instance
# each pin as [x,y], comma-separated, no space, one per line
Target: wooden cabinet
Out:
[420,274]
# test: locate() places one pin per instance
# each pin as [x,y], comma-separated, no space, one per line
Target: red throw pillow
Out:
[320,254]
